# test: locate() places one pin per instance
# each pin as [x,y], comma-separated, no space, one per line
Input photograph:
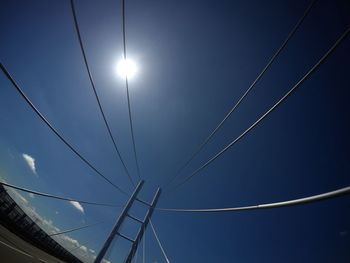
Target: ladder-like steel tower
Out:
[124,214]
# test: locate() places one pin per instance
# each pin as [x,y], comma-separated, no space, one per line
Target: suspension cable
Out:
[95,92]
[55,196]
[309,199]
[75,229]
[42,117]
[159,243]
[127,92]
[144,248]
[245,94]
[275,106]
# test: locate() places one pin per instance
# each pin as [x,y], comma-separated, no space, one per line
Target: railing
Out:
[16,220]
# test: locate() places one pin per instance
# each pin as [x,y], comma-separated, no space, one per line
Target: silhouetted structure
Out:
[16,220]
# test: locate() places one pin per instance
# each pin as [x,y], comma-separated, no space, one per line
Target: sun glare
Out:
[126,68]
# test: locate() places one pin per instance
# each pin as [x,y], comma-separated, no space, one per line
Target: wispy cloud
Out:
[31,195]
[82,252]
[77,205]
[30,162]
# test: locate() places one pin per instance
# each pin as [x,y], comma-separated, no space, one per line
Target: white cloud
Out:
[83,252]
[30,162]
[84,248]
[77,205]
[31,195]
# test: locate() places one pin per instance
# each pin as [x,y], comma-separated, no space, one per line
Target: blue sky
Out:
[195,59]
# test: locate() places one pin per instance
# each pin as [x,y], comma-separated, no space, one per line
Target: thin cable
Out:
[245,94]
[95,92]
[144,248]
[309,199]
[136,256]
[127,93]
[293,89]
[55,196]
[24,96]
[159,243]
[75,229]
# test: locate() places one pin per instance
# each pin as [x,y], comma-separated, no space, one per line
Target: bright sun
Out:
[126,68]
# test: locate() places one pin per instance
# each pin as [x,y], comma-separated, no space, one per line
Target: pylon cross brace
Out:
[125,213]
